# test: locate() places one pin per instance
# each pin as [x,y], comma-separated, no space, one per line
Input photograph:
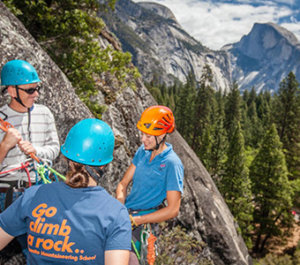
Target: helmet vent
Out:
[147,125]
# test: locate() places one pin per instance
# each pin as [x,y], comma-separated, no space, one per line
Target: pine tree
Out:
[263,104]
[271,190]
[254,126]
[219,143]
[203,113]
[286,112]
[185,107]
[232,109]
[235,184]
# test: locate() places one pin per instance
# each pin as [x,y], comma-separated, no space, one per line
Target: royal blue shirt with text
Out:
[67,225]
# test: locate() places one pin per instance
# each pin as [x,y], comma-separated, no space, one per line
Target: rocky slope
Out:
[203,212]
[162,49]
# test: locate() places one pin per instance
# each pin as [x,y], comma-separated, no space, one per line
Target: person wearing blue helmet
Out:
[75,221]
[33,132]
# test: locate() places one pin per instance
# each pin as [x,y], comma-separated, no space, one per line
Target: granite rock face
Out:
[163,51]
[203,211]
[264,57]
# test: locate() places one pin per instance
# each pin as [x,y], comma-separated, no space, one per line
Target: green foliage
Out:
[286,109]
[202,120]
[271,189]
[185,107]
[232,109]
[217,155]
[235,185]
[68,30]
[177,247]
[271,259]
[286,259]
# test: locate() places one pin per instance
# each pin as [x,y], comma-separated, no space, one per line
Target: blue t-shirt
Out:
[152,180]
[66,225]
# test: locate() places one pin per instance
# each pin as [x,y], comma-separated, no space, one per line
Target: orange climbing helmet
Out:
[157,120]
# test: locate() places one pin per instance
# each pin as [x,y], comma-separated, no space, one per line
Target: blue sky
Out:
[218,22]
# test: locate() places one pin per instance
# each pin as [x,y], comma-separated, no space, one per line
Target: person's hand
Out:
[11,138]
[26,147]
[133,222]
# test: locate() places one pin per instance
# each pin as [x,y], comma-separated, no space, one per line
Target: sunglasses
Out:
[31,90]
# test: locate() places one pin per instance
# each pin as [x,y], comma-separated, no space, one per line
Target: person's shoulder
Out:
[112,201]
[3,107]
[41,187]
[171,154]
[40,108]
[5,110]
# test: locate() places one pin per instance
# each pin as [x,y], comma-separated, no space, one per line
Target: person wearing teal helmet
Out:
[75,221]
[34,129]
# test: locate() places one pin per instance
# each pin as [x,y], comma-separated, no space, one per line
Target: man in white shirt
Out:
[34,130]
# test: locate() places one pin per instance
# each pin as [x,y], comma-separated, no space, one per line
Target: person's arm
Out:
[116,257]
[10,139]
[121,191]
[4,238]
[166,213]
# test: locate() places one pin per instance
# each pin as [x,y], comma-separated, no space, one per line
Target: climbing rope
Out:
[4,125]
[42,167]
[148,253]
[43,170]
[151,255]
[22,167]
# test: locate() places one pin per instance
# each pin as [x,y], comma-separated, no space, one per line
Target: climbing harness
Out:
[143,238]
[41,167]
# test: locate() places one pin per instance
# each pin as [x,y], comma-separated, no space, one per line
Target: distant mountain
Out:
[264,57]
[163,51]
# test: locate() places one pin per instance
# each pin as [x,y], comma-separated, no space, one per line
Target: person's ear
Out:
[162,136]
[11,90]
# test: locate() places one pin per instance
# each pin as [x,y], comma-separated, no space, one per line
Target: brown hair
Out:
[77,176]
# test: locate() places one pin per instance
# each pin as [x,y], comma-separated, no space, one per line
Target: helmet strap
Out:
[17,98]
[158,143]
[95,172]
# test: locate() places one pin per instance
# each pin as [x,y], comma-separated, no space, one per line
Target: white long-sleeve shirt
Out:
[42,133]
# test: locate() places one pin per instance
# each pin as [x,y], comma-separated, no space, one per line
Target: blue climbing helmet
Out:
[18,72]
[89,142]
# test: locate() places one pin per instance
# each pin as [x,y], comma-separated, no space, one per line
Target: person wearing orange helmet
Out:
[156,173]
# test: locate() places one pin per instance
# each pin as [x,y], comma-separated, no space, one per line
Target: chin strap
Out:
[95,172]
[158,143]
[17,98]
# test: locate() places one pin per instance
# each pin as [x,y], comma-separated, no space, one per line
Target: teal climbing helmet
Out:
[18,72]
[89,142]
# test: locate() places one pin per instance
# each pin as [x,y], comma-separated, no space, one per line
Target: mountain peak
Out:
[267,39]
[158,9]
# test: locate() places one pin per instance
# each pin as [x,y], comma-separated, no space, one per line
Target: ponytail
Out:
[77,176]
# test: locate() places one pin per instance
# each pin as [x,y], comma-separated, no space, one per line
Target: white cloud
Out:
[216,24]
